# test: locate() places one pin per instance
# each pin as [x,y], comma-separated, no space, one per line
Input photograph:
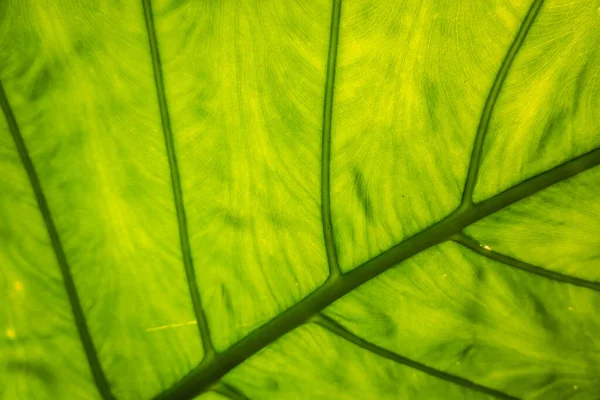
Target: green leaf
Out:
[333,199]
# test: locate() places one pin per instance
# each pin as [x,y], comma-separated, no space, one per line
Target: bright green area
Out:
[40,352]
[210,395]
[79,79]
[163,190]
[473,317]
[244,83]
[312,363]
[413,78]
[548,111]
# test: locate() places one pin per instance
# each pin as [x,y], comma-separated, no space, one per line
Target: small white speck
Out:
[485,246]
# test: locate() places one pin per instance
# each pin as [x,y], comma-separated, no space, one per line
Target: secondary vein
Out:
[337,329]
[229,391]
[492,98]
[80,320]
[334,268]
[207,343]
[472,244]
[201,377]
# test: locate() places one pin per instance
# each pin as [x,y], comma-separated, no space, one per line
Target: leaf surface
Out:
[327,199]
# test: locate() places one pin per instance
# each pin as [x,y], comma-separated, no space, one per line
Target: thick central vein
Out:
[203,376]
[486,114]
[176,183]
[334,268]
[78,315]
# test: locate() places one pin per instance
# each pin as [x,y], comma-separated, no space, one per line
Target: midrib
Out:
[202,377]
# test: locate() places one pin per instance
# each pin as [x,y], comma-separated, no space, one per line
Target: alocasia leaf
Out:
[329,199]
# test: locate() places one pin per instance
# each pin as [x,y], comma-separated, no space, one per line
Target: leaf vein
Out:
[201,377]
[78,314]
[334,268]
[472,244]
[186,251]
[491,100]
[337,329]
[229,391]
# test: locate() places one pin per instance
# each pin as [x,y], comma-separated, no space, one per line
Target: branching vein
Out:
[337,329]
[200,378]
[477,247]
[207,343]
[229,391]
[490,103]
[334,268]
[216,365]
[80,321]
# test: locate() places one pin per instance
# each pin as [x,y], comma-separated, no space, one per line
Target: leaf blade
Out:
[335,328]
[202,377]
[419,74]
[246,143]
[490,103]
[249,124]
[547,111]
[556,229]
[470,316]
[81,96]
[486,251]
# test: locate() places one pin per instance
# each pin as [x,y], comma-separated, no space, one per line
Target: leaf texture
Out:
[333,199]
